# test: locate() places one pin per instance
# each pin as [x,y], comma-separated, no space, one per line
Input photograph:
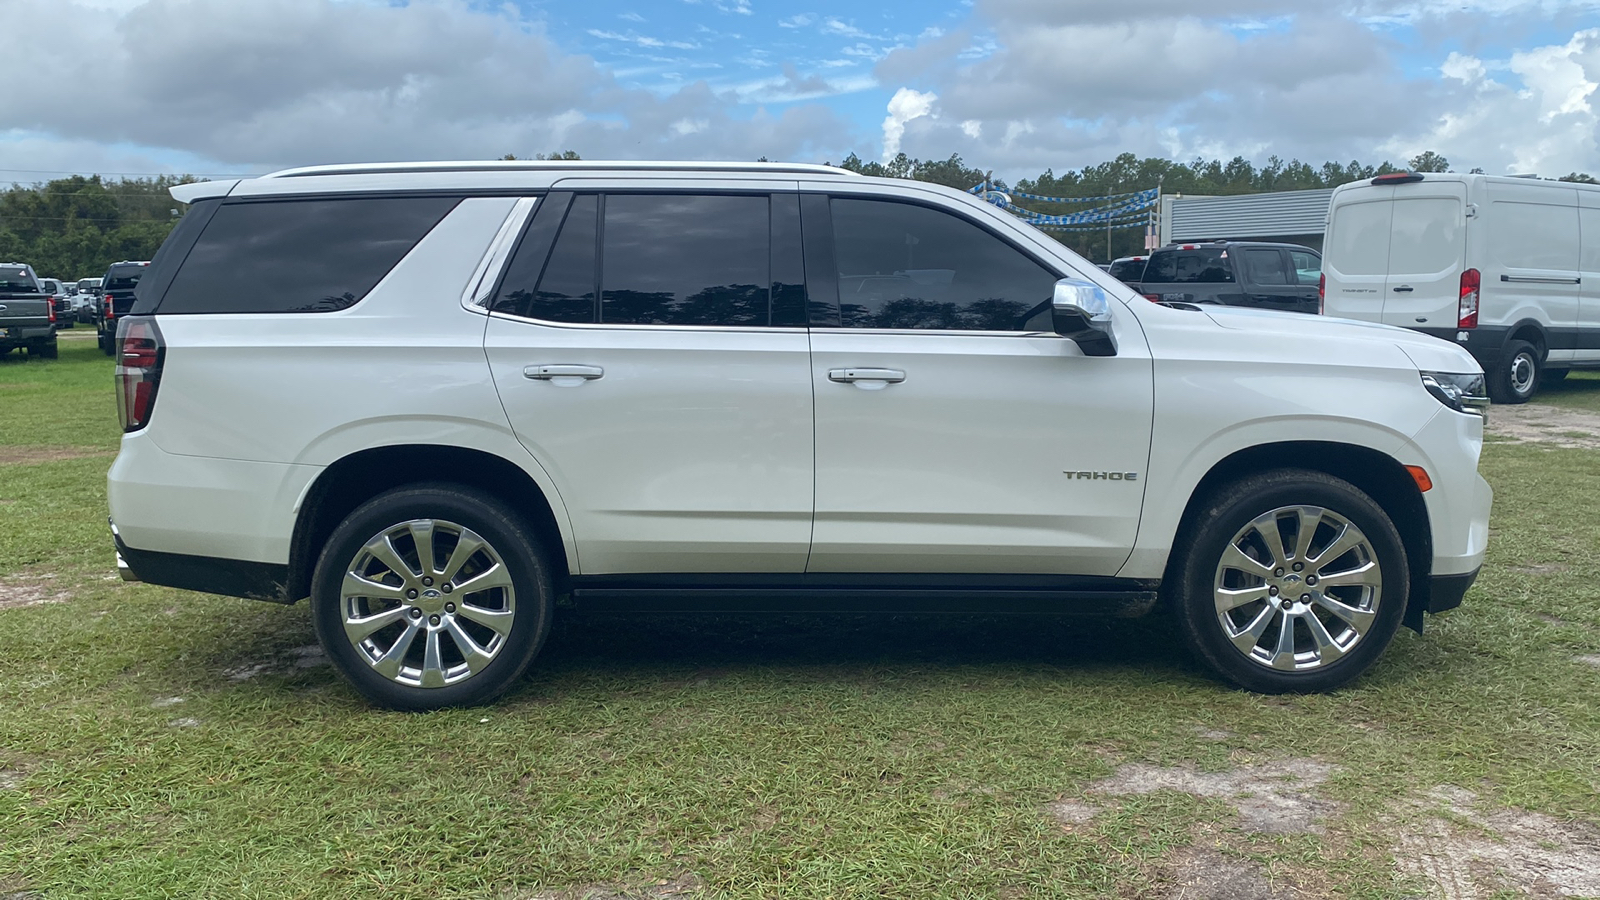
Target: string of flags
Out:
[1127,210]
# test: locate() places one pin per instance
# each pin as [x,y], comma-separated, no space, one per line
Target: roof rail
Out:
[583,165]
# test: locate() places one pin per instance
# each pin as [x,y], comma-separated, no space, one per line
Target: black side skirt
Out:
[209,575]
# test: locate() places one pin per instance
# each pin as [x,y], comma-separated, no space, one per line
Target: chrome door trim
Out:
[475,297]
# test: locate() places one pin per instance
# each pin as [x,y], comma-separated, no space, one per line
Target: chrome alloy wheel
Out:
[427,603]
[1297,588]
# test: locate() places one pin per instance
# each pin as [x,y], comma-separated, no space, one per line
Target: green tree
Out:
[1429,161]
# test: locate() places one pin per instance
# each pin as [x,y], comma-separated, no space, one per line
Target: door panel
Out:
[1587,337]
[1356,254]
[1531,260]
[993,455]
[949,439]
[1427,252]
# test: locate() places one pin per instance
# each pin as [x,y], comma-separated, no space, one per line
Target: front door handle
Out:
[1403,289]
[563,374]
[852,376]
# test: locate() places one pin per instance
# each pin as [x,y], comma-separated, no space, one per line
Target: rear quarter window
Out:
[299,255]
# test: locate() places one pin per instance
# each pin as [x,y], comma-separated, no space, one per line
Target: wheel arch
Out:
[357,477]
[1377,474]
[1532,331]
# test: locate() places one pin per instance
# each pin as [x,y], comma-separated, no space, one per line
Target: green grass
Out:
[1580,390]
[792,757]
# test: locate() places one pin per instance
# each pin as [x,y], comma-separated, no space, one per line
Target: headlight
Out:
[1462,393]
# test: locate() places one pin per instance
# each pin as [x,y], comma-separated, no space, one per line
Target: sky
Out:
[239,87]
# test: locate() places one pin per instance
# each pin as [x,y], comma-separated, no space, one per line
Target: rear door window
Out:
[1266,266]
[299,255]
[1428,236]
[1200,265]
[686,260]
[1359,238]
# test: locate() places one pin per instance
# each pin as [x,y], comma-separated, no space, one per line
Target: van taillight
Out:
[1467,306]
[1322,294]
[140,352]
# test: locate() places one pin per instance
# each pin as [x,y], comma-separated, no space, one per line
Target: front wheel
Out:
[1290,581]
[1516,377]
[431,596]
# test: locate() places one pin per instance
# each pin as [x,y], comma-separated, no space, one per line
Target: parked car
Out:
[1234,273]
[116,299]
[88,308]
[1508,268]
[436,396]
[1128,269]
[27,313]
[61,298]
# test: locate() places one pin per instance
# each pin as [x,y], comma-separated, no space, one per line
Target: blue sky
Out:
[1017,86]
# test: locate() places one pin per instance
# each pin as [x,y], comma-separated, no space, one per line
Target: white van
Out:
[1508,268]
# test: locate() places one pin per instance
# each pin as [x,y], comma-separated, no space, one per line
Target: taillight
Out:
[1467,306]
[1322,294]
[51,306]
[110,311]
[1153,298]
[140,352]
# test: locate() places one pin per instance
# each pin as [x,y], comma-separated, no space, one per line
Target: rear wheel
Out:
[46,350]
[432,596]
[1516,377]
[107,343]
[1290,581]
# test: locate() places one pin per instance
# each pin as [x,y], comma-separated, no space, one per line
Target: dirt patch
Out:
[22,456]
[1469,852]
[1272,798]
[1071,813]
[1196,873]
[1592,659]
[9,780]
[1536,422]
[17,591]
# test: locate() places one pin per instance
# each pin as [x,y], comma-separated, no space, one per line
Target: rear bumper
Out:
[208,575]
[1486,343]
[21,336]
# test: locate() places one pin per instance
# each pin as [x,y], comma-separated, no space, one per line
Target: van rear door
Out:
[1427,252]
[1355,254]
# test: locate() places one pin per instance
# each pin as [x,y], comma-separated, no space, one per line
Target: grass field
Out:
[160,743]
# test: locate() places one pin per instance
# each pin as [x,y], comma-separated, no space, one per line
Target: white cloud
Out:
[905,105]
[797,21]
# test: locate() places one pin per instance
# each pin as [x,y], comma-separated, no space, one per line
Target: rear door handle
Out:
[1403,289]
[558,373]
[851,376]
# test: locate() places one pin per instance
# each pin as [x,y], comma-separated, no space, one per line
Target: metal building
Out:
[1298,217]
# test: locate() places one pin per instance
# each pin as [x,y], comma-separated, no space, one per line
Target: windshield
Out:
[17,280]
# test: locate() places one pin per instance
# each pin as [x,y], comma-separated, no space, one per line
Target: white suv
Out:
[434,397]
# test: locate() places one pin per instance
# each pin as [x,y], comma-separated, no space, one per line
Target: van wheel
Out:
[432,596]
[1289,581]
[1516,377]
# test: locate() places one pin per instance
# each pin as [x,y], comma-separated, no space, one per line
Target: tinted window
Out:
[123,278]
[1128,271]
[905,266]
[1307,266]
[16,280]
[1358,238]
[566,291]
[1266,266]
[686,260]
[299,255]
[1199,266]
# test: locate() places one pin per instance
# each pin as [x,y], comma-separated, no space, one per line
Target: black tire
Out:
[44,351]
[1515,378]
[107,344]
[1197,573]
[507,536]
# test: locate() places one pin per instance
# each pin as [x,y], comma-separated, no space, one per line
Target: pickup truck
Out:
[116,299]
[1234,273]
[27,314]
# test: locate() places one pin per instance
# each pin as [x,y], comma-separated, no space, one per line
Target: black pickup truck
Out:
[1234,273]
[116,299]
[27,315]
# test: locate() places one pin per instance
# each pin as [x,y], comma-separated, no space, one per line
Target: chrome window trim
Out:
[475,297]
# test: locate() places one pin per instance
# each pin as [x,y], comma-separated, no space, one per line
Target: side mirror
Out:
[1081,310]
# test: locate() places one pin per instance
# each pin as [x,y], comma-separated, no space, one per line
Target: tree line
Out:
[75,227]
